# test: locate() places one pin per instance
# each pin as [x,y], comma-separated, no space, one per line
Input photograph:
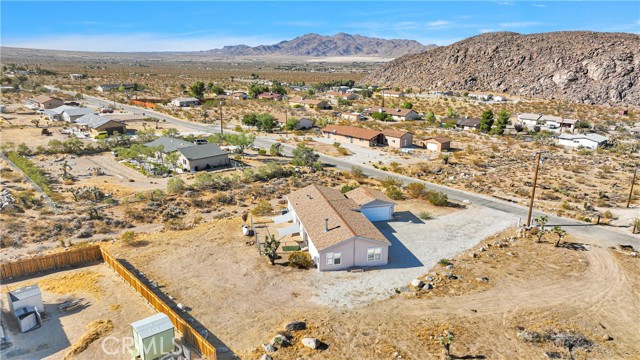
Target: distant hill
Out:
[340,44]
[579,66]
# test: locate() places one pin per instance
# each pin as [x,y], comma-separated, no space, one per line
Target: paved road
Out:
[581,229]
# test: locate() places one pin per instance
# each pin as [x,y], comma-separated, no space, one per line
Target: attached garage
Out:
[374,204]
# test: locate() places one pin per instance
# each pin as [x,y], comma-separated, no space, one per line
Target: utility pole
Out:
[633,181]
[220,108]
[533,191]
[382,98]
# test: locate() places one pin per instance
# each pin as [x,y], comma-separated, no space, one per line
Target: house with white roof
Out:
[185,102]
[589,141]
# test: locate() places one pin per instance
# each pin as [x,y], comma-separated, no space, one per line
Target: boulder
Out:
[607,337]
[280,340]
[311,343]
[483,279]
[266,357]
[449,267]
[296,326]
[417,283]
[269,348]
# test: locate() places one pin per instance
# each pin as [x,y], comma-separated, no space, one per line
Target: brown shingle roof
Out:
[439,139]
[314,203]
[394,133]
[391,111]
[364,195]
[43,98]
[352,131]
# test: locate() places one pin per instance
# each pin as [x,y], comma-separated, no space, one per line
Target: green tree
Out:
[250,120]
[560,232]
[170,132]
[430,118]
[267,122]
[172,158]
[241,141]
[257,89]
[487,121]
[121,88]
[304,156]
[502,122]
[310,92]
[381,116]
[218,90]
[277,88]
[446,340]
[406,105]
[292,124]
[197,89]
[452,113]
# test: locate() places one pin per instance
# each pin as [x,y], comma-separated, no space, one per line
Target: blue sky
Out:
[203,25]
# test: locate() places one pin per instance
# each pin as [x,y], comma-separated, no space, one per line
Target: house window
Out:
[333,258]
[373,254]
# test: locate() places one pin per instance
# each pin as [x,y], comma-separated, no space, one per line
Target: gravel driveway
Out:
[416,246]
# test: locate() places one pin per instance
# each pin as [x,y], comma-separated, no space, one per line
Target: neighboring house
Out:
[270,96]
[168,144]
[8,88]
[44,102]
[202,157]
[110,87]
[97,124]
[397,138]
[465,124]
[308,103]
[55,114]
[374,204]
[558,123]
[589,141]
[71,115]
[339,95]
[398,114]
[76,76]
[438,143]
[303,123]
[352,116]
[185,102]
[239,95]
[353,135]
[483,97]
[336,233]
[529,120]
[391,93]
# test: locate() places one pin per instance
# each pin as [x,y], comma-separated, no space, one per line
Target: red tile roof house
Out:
[398,114]
[397,138]
[334,229]
[270,96]
[353,135]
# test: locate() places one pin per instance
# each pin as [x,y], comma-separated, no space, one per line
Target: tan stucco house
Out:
[44,102]
[353,135]
[397,138]
[335,231]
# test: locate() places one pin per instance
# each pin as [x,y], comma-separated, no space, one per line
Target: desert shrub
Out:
[128,237]
[415,190]
[425,215]
[175,185]
[394,193]
[343,151]
[175,225]
[437,198]
[444,262]
[357,173]
[389,181]
[263,208]
[262,152]
[300,259]
[349,187]
[32,171]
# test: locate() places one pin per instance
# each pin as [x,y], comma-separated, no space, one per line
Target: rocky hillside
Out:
[340,44]
[580,66]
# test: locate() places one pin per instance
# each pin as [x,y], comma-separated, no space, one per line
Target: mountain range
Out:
[579,66]
[340,44]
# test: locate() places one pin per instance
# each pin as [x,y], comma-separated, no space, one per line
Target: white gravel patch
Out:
[416,248]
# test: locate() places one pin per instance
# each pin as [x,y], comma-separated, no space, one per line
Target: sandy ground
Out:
[106,297]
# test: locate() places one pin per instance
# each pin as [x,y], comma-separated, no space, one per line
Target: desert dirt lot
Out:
[538,287]
[105,297]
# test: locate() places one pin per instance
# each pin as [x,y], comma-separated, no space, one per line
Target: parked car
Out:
[101,135]
[106,110]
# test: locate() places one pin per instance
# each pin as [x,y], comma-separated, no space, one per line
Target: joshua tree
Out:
[542,221]
[446,340]
[636,225]
[65,167]
[35,122]
[560,232]
[271,248]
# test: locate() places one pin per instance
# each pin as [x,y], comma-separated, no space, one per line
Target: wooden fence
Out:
[85,254]
[188,332]
[17,268]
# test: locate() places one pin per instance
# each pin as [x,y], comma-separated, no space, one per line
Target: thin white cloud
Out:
[539,5]
[505,3]
[483,31]
[633,27]
[141,42]
[518,24]
[438,24]
[299,23]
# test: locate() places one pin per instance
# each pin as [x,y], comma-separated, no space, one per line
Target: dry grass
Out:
[96,330]
[76,283]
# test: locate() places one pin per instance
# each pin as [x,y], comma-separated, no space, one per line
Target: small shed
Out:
[26,306]
[152,337]
[438,143]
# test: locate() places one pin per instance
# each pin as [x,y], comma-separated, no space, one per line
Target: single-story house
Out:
[71,115]
[239,95]
[374,204]
[201,157]
[185,102]
[589,141]
[438,143]
[398,114]
[44,102]
[308,103]
[96,124]
[353,135]
[109,87]
[391,93]
[352,116]
[76,76]
[168,144]
[483,97]
[557,122]
[341,95]
[55,114]
[26,305]
[529,120]
[397,138]
[303,123]
[465,124]
[270,96]
[336,233]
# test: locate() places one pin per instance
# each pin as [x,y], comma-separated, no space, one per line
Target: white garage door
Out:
[377,213]
[432,146]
